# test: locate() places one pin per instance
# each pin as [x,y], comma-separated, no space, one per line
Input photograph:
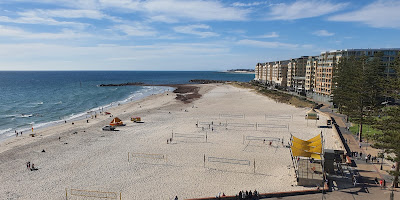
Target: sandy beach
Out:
[217,146]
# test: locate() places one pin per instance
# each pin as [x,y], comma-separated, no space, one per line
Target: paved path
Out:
[368,170]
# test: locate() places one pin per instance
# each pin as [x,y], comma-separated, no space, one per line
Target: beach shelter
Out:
[311,148]
[312,114]
[116,122]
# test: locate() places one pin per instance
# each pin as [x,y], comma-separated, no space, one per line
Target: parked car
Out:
[108,128]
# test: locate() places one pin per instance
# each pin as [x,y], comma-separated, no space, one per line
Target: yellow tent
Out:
[116,122]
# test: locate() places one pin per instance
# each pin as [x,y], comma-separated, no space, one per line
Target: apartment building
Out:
[258,72]
[314,74]
[296,73]
[312,63]
[328,60]
[279,73]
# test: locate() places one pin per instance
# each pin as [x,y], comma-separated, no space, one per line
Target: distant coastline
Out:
[240,71]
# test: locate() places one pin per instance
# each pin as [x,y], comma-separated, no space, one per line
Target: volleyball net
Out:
[75,194]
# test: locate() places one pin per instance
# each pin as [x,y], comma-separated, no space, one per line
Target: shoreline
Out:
[83,115]
[82,156]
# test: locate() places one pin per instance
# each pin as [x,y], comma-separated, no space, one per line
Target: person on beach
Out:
[16,135]
[240,194]
[176,198]
[28,165]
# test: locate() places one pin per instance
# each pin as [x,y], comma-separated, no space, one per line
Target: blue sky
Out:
[186,34]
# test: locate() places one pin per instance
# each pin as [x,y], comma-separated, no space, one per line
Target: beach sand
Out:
[96,160]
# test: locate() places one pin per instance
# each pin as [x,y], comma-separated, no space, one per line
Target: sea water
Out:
[43,98]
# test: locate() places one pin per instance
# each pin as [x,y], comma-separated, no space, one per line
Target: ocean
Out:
[43,98]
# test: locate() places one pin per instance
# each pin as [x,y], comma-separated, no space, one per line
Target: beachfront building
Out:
[311,65]
[269,67]
[296,73]
[258,72]
[279,73]
[328,60]
[315,73]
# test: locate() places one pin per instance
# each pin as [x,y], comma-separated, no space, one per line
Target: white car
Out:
[108,128]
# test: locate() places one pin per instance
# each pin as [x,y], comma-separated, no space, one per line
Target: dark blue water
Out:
[43,98]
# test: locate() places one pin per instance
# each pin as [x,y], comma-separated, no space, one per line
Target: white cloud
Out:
[379,14]
[303,9]
[323,33]
[137,29]
[31,17]
[14,32]
[270,35]
[172,10]
[196,30]
[257,3]
[69,13]
[264,44]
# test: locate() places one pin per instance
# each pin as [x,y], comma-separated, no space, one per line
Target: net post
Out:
[254,165]
[204,165]
[243,139]
[120,196]
[66,194]
[128,156]
[206,136]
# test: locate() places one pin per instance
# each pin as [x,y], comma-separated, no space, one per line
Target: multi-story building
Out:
[279,73]
[258,72]
[296,73]
[315,73]
[311,65]
[327,61]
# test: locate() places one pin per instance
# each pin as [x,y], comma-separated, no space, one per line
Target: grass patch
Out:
[368,131]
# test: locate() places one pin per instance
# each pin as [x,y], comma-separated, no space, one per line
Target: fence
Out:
[72,194]
[181,137]
[222,163]
[237,116]
[278,117]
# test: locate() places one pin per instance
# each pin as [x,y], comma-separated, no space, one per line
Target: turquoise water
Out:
[40,99]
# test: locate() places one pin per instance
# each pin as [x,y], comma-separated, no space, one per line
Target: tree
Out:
[358,88]
[390,125]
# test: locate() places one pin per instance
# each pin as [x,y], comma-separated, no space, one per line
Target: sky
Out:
[188,35]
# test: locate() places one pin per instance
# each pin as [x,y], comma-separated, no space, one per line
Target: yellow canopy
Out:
[314,138]
[298,152]
[310,148]
[317,149]
[300,141]
[316,143]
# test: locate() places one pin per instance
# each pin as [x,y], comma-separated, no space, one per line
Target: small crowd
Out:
[248,195]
